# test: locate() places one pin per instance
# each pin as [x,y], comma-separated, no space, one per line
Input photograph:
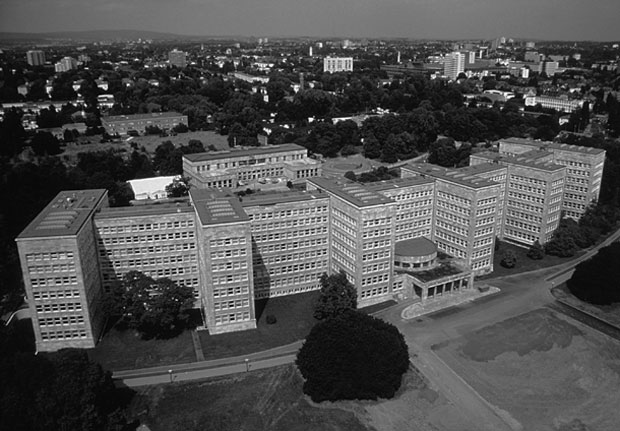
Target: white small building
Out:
[151,188]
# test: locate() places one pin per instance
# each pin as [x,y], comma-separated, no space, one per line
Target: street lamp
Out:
[170,374]
[247,365]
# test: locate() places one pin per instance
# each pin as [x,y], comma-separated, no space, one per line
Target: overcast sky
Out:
[445,19]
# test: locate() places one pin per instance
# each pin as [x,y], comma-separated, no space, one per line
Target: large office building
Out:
[337,64]
[122,124]
[228,169]
[65,64]
[562,104]
[35,57]
[423,235]
[584,169]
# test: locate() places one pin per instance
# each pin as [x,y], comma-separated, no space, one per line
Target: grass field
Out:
[272,400]
[546,371]
[524,263]
[294,320]
[124,350]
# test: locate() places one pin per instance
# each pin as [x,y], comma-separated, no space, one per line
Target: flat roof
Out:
[553,145]
[217,208]
[146,209]
[398,183]
[415,247]
[151,116]
[354,193]
[520,160]
[448,174]
[482,168]
[65,214]
[274,198]
[245,152]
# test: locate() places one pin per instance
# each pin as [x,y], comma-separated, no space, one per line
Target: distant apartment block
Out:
[337,64]
[563,104]
[454,64]
[121,124]
[177,58]
[35,57]
[66,64]
[227,169]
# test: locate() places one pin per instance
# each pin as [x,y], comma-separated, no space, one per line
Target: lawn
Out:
[524,263]
[294,320]
[124,350]
[547,371]
[272,400]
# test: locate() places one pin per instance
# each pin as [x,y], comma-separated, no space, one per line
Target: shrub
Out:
[509,259]
[536,251]
[271,319]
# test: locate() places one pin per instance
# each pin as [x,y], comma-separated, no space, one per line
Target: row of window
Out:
[145,227]
[383,221]
[242,316]
[230,278]
[53,281]
[279,236]
[266,283]
[61,320]
[288,213]
[58,307]
[231,291]
[377,291]
[270,260]
[164,248]
[146,238]
[454,198]
[167,260]
[55,294]
[291,291]
[224,254]
[65,267]
[375,279]
[226,242]
[257,227]
[34,257]
[412,195]
[294,245]
[66,334]
[229,305]
[413,214]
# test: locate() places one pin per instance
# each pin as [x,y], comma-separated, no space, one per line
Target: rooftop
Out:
[448,174]
[245,152]
[543,145]
[65,214]
[273,198]
[415,247]
[398,183]
[217,208]
[520,160]
[354,193]
[150,208]
[152,115]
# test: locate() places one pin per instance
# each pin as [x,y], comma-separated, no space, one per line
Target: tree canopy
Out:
[156,308]
[596,279]
[352,356]
[337,296]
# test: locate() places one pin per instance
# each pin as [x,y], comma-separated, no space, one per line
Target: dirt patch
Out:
[546,370]
[537,330]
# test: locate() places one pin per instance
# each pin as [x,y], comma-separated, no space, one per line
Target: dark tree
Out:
[536,251]
[350,175]
[352,356]
[596,279]
[156,308]
[337,295]
[443,153]
[44,143]
[178,188]
[509,259]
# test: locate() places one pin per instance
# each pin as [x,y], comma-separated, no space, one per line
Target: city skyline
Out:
[420,19]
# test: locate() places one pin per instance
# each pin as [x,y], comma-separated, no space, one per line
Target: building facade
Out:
[584,170]
[337,64]
[177,58]
[35,57]
[454,65]
[228,169]
[122,124]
